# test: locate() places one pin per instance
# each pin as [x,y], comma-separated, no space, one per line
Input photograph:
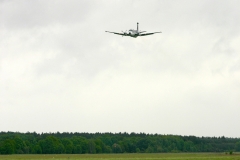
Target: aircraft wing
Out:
[146,34]
[122,34]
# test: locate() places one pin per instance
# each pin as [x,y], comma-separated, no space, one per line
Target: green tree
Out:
[116,148]
[37,149]
[238,146]
[68,145]
[91,146]
[20,146]
[77,149]
[188,146]
[51,145]
[57,143]
[99,145]
[108,149]
[150,149]
[142,144]
[7,147]
[82,143]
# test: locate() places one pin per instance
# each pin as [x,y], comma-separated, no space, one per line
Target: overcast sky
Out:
[60,70]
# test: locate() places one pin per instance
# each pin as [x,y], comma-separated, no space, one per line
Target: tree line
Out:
[91,143]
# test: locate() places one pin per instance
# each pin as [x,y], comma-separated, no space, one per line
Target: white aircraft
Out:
[134,33]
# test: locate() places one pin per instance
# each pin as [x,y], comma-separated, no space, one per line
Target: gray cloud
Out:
[60,71]
[27,14]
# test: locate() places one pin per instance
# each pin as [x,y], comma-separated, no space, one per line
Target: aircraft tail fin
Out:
[137,26]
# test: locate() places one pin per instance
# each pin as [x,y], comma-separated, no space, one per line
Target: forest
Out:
[97,143]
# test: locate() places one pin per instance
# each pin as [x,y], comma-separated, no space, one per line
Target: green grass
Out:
[153,156]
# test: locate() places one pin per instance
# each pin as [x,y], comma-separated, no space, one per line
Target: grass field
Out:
[162,156]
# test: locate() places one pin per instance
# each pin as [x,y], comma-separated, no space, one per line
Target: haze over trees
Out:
[82,143]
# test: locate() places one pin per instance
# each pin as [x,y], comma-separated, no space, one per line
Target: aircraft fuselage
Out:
[133,33]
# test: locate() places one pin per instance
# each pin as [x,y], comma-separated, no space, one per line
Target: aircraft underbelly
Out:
[134,35]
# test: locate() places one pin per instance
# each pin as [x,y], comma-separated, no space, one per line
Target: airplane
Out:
[133,33]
